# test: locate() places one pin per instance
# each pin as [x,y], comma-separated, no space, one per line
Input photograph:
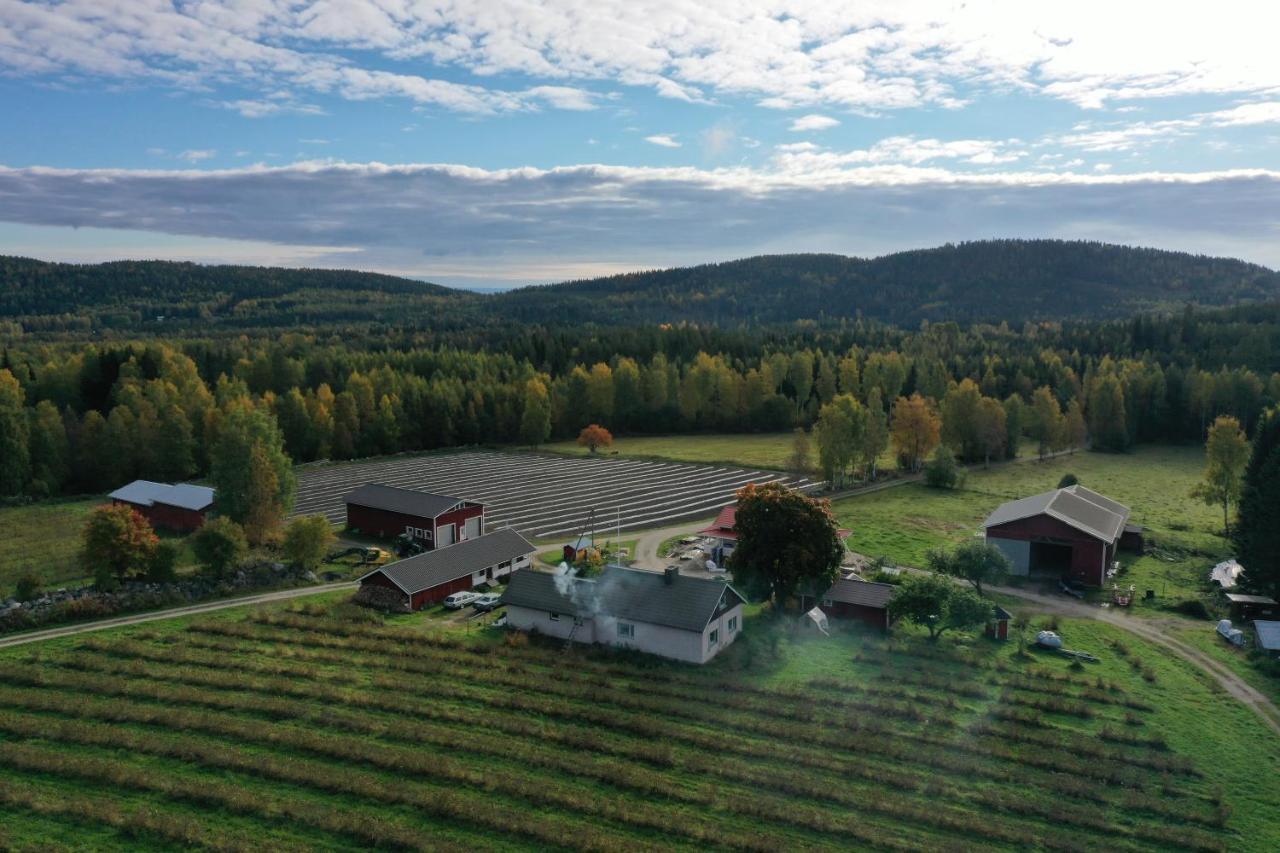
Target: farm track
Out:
[543,495]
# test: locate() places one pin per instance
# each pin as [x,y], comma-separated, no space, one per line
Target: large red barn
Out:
[1073,531]
[435,521]
[181,507]
[435,575]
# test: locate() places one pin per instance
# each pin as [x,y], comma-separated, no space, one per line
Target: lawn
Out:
[767,450]
[323,727]
[905,522]
[43,538]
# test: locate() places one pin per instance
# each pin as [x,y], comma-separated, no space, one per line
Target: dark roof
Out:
[407,501]
[863,593]
[687,603]
[1268,634]
[1241,598]
[446,564]
[1000,614]
[182,495]
[1085,510]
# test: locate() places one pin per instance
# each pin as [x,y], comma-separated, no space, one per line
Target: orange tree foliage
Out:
[788,542]
[916,430]
[594,436]
[118,540]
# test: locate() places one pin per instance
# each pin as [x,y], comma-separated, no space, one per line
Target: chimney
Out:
[670,574]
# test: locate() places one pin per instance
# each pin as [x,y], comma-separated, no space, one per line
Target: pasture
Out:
[325,728]
[905,522]
[43,538]
[541,495]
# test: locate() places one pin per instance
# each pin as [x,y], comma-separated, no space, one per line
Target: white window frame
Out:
[554,617]
[733,624]
[626,631]
[714,637]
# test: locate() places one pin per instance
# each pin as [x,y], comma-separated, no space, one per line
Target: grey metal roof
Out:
[1242,598]
[181,495]
[687,603]
[863,593]
[1077,506]
[1268,634]
[445,564]
[407,501]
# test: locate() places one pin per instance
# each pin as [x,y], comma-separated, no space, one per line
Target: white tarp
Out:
[1225,573]
[818,619]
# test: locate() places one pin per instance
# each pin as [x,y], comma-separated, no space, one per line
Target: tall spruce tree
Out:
[1257,535]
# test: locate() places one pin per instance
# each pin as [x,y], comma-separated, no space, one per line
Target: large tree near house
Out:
[787,542]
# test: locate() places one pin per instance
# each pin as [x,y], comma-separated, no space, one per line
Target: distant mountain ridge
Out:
[1013,280]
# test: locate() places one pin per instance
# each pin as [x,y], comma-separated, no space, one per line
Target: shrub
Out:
[307,541]
[28,586]
[516,639]
[219,545]
[942,472]
[1068,479]
[1193,607]
[162,567]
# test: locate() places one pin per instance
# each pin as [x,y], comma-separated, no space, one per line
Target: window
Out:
[555,617]
[714,638]
[733,624]
[826,602]
[626,629]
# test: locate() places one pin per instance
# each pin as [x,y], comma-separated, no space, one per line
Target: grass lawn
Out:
[904,523]
[325,727]
[554,556]
[43,538]
[767,450]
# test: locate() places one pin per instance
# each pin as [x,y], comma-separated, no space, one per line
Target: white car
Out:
[488,601]
[459,600]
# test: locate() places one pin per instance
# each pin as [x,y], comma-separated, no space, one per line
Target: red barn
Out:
[181,507]
[436,521]
[435,575]
[1072,532]
[853,598]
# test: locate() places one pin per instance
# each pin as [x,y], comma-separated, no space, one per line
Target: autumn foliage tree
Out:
[253,477]
[916,430]
[116,541]
[787,542]
[594,437]
[1226,454]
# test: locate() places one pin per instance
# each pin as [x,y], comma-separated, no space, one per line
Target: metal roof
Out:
[407,501]
[686,603]
[181,495]
[853,590]
[446,564]
[1085,510]
[1241,598]
[722,527]
[1268,634]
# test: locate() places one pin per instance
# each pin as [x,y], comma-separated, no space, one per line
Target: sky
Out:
[493,143]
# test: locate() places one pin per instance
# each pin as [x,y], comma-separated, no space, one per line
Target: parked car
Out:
[459,600]
[488,601]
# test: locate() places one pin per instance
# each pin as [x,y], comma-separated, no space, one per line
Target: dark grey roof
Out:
[1268,634]
[407,501]
[860,592]
[441,566]
[1077,506]
[687,603]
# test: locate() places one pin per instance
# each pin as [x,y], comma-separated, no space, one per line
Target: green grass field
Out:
[324,728]
[905,522]
[42,538]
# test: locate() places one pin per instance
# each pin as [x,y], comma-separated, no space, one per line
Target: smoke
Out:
[583,593]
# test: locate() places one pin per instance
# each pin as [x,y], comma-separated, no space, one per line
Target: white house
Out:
[668,614]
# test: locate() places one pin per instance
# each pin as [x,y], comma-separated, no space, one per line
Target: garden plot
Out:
[543,496]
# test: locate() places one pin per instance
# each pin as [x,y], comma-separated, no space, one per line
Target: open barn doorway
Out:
[1050,557]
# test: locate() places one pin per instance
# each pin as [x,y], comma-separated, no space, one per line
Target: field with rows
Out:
[43,538]
[541,495]
[319,726]
[905,522]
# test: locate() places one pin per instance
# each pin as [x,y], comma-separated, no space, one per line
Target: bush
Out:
[1193,607]
[307,541]
[219,545]
[942,472]
[28,586]
[162,567]
[1068,479]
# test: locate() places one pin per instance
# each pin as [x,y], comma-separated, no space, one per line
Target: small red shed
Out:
[998,624]
[853,598]
[181,507]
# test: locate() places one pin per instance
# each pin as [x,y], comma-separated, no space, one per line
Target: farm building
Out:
[998,625]
[1245,608]
[722,531]
[1268,634]
[434,575]
[181,507]
[668,614]
[435,521]
[853,598]
[1072,531]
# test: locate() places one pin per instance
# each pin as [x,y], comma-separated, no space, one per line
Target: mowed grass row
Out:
[594,752]
[43,539]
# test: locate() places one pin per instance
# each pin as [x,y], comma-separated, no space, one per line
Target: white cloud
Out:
[813,121]
[807,157]
[196,155]
[795,147]
[251,108]
[874,55]
[313,141]
[664,140]
[564,97]
[417,218]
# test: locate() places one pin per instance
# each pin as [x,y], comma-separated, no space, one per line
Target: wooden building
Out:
[180,507]
[851,597]
[1073,532]
[435,575]
[434,521]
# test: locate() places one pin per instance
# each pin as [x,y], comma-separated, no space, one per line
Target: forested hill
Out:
[127,293]
[1011,280]
[982,281]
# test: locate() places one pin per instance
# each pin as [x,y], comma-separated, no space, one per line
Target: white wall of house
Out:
[726,627]
[558,625]
[674,643]
[500,569]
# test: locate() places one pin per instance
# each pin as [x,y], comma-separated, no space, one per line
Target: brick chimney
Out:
[670,574]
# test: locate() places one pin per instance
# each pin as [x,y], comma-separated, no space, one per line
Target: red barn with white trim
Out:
[436,521]
[435,575]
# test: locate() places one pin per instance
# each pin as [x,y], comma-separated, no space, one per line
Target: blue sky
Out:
[502,142]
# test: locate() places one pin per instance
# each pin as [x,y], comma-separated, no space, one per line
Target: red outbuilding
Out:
[1072,532]
[853,598]
[434,576]
[434,521]
[181,507]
